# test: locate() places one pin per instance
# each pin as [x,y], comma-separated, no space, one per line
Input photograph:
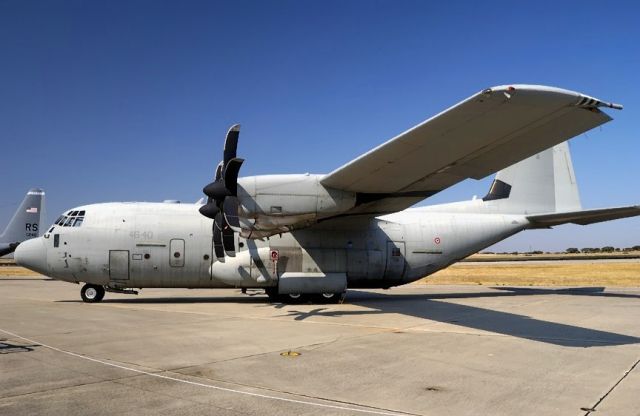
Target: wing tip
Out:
[582,100]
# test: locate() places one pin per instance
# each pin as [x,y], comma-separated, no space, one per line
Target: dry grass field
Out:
[585,273]
[16,271]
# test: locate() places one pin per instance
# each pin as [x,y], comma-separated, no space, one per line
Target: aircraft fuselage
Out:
[138,245]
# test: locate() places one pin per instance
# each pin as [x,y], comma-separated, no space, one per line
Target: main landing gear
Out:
[92,293]
[298,298]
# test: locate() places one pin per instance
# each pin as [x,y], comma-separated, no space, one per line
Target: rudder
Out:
[543,183]
[26,221]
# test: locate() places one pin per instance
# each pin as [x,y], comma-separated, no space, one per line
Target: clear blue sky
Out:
[130,100]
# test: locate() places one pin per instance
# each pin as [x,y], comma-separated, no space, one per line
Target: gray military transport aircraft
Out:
[25,222]
[310,237]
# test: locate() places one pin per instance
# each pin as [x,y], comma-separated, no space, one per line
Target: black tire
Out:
[293,298]
[92,293]
[325,298]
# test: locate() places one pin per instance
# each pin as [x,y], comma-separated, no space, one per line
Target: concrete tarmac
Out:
[419,350]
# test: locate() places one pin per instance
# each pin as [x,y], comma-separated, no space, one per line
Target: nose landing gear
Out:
[92,293]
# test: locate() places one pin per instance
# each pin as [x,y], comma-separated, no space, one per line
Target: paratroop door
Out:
[395,260]
[119,264]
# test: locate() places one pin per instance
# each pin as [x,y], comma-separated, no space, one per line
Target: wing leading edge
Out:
[487,132]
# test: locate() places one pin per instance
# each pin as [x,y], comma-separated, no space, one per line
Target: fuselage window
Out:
[71,219]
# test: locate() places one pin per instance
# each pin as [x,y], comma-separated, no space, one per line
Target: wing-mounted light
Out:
[222,197]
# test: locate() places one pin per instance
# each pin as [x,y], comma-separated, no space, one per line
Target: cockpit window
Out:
[71,219]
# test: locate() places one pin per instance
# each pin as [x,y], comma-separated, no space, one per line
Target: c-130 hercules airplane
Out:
[310,237]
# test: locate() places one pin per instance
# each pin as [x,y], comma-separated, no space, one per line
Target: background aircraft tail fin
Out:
[26,221]
[543,183]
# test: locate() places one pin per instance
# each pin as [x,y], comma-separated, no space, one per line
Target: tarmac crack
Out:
[592,409]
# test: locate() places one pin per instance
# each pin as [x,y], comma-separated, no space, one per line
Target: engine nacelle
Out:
[271,204]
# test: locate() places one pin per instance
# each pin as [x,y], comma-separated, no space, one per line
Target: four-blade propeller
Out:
[222,197]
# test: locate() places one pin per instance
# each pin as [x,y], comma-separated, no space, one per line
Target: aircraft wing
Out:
[586,217]
[488,131]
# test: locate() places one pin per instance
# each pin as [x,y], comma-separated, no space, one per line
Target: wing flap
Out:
[481,135]
[585,217]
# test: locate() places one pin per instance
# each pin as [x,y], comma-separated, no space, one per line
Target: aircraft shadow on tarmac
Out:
[8,348]
[427,306]
[434,307]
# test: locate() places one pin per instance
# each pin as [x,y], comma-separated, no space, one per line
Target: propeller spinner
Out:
[222,197]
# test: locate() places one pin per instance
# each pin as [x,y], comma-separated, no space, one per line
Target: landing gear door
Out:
[119,264]
[395,260]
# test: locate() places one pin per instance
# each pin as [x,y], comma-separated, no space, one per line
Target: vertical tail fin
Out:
[543,183]
[26,221]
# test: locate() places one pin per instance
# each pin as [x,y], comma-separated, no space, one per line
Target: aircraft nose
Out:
[32,254]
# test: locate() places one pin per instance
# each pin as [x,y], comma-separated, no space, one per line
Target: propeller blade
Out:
[230,175]
[209,210]
[228,241]
[216,190]
[218,174]
[231,143]
[230,212]
[217,238]
[222,202]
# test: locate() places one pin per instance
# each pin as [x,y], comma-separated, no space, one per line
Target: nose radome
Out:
[32,254]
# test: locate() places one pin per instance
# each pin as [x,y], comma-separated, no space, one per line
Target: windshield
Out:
[70,219]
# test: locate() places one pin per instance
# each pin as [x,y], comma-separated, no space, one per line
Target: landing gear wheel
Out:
[329,297]
[291,298]
[92,293]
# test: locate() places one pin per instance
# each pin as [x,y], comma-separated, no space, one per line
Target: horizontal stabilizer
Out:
[586,217]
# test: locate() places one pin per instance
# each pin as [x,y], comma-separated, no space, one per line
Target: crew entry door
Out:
[119,264]
[395,260]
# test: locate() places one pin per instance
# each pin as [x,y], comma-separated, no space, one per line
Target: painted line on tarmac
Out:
[209,386]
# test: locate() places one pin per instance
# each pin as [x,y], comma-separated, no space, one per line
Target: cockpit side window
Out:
[71,219]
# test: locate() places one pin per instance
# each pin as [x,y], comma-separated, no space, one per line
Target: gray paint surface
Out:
[25,223]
